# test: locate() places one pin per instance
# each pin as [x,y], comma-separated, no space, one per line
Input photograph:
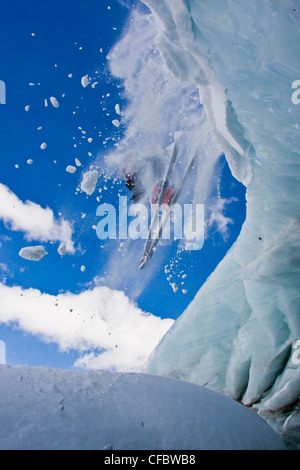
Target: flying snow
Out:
[89,181]
[33,253]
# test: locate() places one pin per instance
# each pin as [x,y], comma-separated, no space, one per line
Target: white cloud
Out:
[4,267]
[217,219]
[4,271]
[36,222]
[102,324]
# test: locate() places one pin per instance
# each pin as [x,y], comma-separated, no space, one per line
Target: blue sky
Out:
[46,48]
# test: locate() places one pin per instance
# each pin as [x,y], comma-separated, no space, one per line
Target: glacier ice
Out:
[237,335]
[96,410]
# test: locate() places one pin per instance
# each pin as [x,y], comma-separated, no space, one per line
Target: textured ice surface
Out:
[236,337]
[67,409]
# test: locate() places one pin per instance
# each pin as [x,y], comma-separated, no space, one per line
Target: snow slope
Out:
[44,408]
[238,334]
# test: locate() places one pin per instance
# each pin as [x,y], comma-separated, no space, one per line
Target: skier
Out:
[135,181]
[165,195]
[168,193]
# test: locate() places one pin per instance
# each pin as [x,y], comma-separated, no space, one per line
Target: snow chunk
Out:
[78,162]
[43,145]
[85,81]
[33,253]
[27,107]
[54,102]
[62,249]
[70,169]
[82,268]
[89,182]
[116,122]
[117,108]
[29,161]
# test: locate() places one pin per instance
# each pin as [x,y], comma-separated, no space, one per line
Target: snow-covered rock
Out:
[43,408]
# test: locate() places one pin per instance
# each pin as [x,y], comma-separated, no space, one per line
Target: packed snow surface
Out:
[44,408]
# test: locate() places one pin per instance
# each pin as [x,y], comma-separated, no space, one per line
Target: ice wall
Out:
[239,334]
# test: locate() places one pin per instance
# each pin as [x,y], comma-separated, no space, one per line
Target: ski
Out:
[159,202]
[147,255]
